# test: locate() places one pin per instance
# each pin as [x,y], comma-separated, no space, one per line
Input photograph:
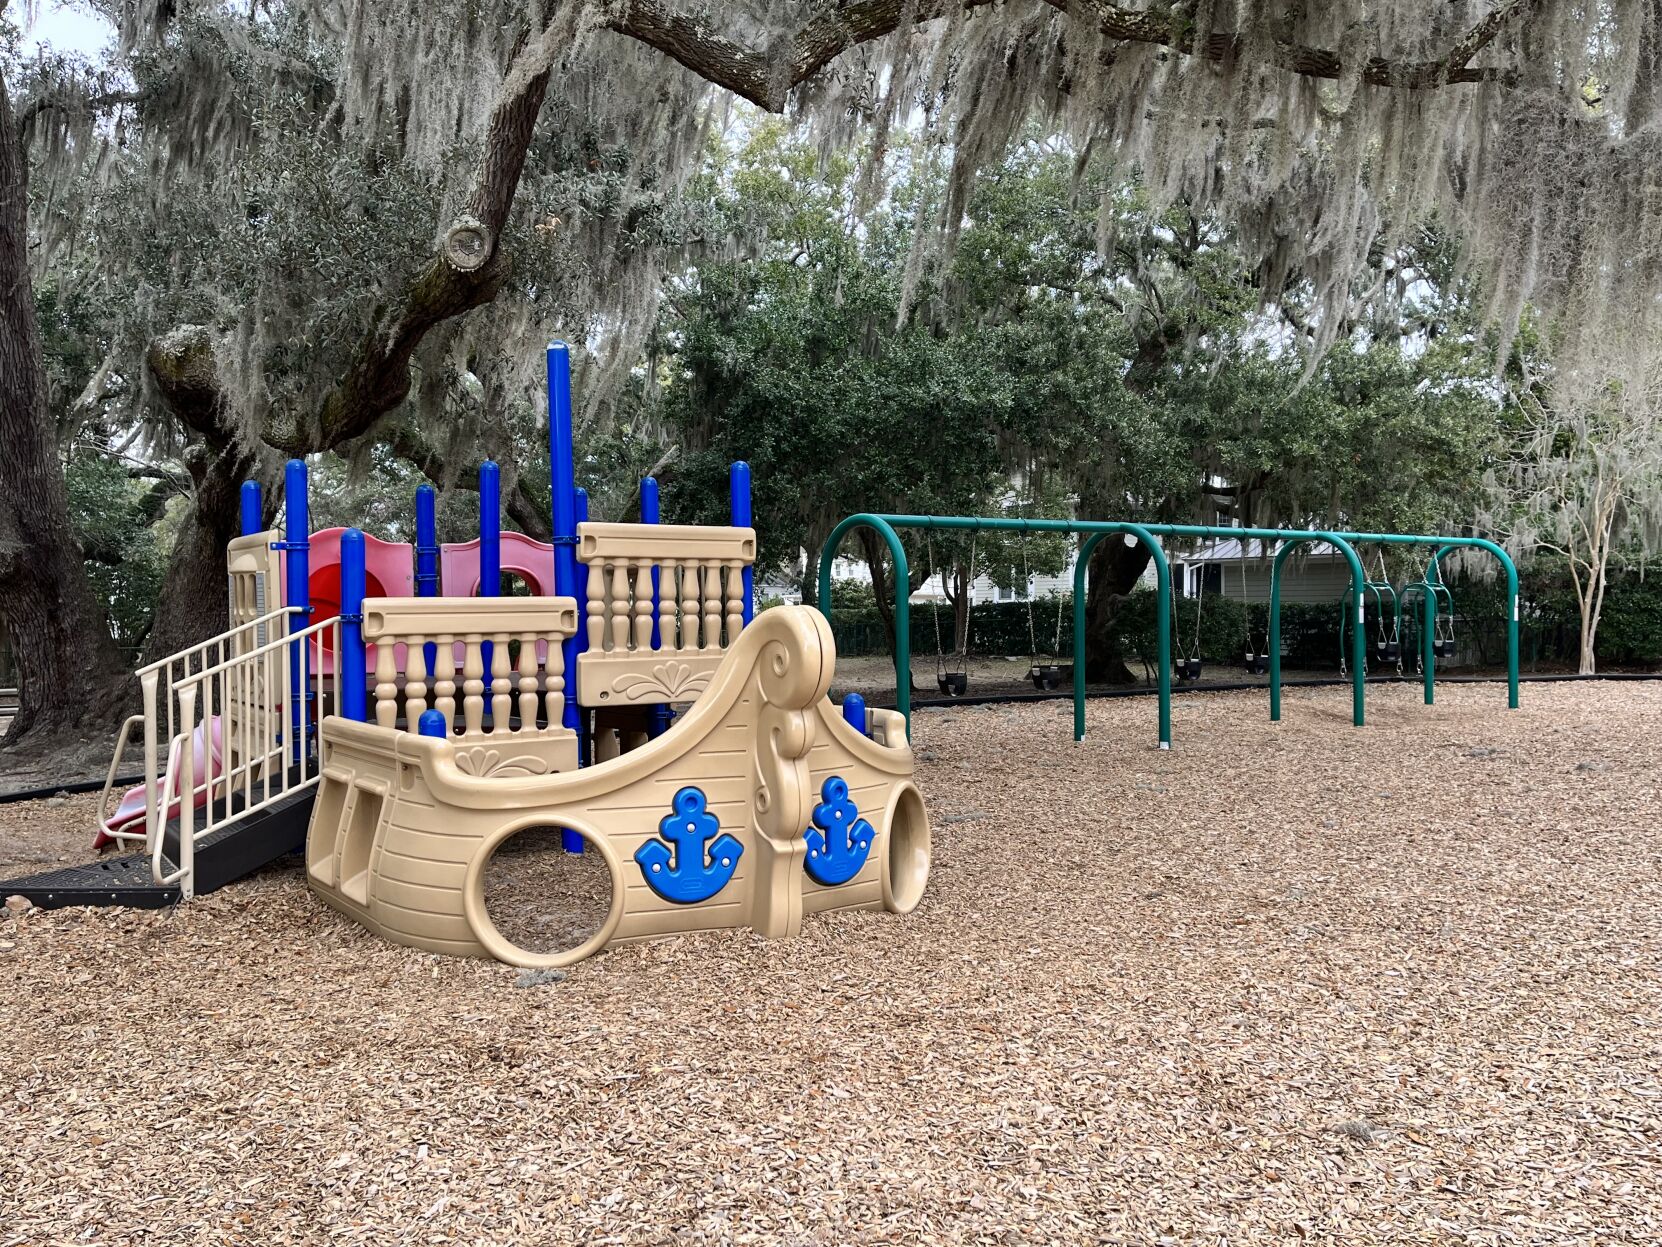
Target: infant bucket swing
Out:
[1047,677]
[1257,656]
[953,679]
[1187,665]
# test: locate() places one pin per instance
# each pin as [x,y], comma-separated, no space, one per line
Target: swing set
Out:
[1437,642]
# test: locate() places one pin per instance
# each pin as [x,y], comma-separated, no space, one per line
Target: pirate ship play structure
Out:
[400,723]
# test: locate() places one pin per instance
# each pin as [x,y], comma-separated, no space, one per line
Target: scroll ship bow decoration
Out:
[840,839]
[696,872]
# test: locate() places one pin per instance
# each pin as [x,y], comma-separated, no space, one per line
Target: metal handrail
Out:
[257,729]
[281,612]
[121,837]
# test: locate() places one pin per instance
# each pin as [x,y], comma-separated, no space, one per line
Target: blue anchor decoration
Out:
[696,874]
[840,839]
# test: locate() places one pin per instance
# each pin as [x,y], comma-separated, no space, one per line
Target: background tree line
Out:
[256,231]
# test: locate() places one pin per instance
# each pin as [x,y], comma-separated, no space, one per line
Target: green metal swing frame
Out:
[888,526]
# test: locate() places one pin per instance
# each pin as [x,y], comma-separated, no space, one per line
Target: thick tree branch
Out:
[468,273]
[766,76]
[69,102]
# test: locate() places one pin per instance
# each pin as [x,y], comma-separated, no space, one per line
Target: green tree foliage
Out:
[1051,361]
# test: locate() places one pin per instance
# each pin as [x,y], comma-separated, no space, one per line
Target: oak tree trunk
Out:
[1114,572]
[67,668]
[195,603]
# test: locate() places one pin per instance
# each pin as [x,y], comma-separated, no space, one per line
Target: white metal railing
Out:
[266,734]
[167,671]
[236,737]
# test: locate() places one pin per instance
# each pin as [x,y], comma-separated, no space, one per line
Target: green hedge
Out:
[1630,631]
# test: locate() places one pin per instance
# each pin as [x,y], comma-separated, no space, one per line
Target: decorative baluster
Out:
[666,606]
[643,605]
[689,606]
[386,685]
[444,687]
[735,601]
[554,680]
[501,701]
[595,610]
[528,680]
[415,680]
[619,605]
[473,685]
[712,606]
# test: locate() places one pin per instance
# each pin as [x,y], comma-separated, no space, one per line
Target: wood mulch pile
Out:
[1295,983]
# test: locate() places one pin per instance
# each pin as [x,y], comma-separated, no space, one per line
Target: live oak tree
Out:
[1322,134]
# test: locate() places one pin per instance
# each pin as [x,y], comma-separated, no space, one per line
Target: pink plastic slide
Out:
[208,765]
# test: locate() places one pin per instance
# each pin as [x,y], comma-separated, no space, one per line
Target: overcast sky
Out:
[67,27]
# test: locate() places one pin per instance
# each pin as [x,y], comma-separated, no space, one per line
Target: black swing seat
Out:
[1442,649]
[1047,677]
[1258,664]
[1390,651]
[952,683]
[1188,668]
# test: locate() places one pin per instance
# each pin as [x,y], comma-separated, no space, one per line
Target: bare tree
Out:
[1584,479]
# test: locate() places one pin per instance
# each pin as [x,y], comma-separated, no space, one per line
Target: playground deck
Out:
[1389,985]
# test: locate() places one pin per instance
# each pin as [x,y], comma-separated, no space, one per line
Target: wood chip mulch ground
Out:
[1283,984]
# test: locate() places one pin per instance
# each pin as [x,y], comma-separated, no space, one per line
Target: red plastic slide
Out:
[206,745]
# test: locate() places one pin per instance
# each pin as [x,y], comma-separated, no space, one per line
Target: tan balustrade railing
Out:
[523,691]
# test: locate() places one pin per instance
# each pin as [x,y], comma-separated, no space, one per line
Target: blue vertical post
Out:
[562,473]
[490,550]
[738,487]
[854,712]
[350,660]
[652,514]
[427,557]
[297,538]
[251,508]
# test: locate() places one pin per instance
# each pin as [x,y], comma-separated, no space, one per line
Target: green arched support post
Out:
[1162,609]
[902,601]
[1434,575]
[1433,594]
[1359,637]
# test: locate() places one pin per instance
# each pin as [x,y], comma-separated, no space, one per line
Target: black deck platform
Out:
[223,857]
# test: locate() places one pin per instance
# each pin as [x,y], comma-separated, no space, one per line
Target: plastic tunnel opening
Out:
[906,870]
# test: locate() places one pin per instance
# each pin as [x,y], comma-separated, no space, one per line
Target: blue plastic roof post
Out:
[738,486]
[562,473]
[297,536]
[432,724]
[490,553]
[854,712]
[252,506]
[353,673]
[651,514]
[427,543]
[427,557]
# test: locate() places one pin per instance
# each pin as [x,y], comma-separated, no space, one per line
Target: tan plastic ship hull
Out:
[405,825]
